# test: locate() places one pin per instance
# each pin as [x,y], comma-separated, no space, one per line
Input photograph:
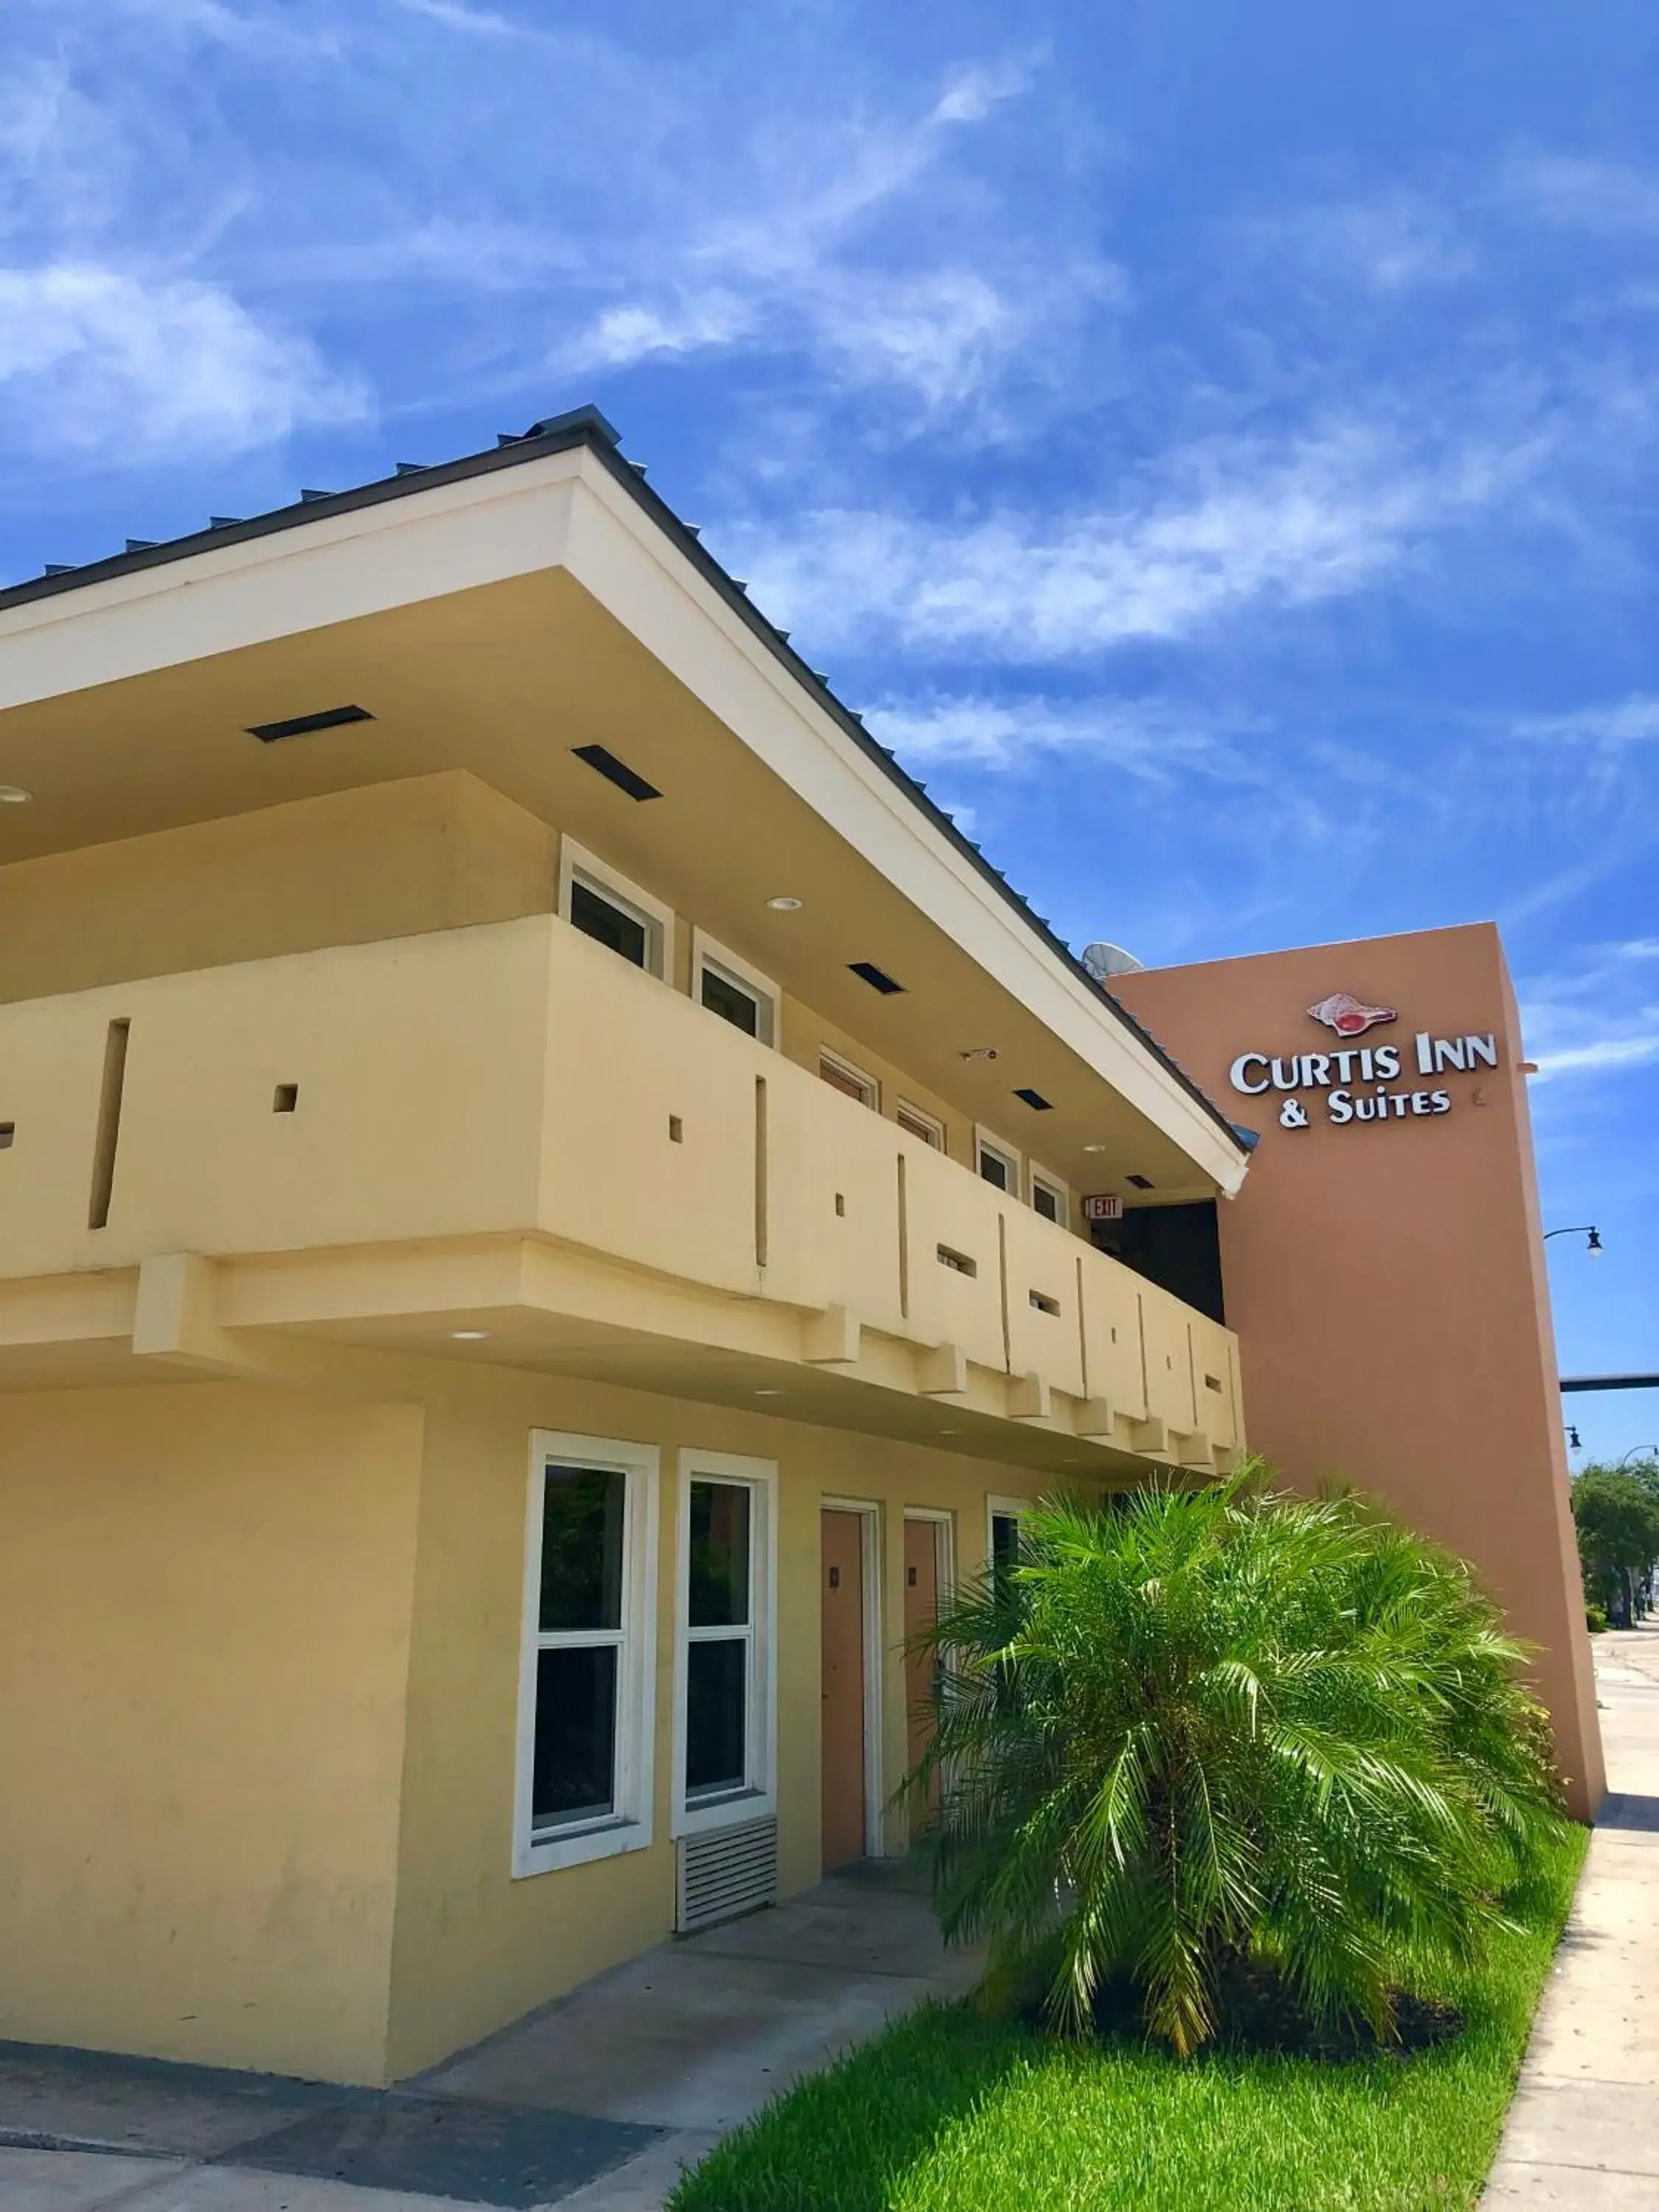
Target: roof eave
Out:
[586,427]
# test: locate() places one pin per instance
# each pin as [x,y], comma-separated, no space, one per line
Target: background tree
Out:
[1219,1732]
[1615,1511]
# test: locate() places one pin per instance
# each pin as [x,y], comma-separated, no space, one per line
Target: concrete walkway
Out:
[595,2104]
[591,2106]
[1583,2130]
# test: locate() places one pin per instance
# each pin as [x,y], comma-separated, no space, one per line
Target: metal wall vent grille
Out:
[726,1872]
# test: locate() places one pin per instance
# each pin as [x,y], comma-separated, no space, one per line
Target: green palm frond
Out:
[1230,1726]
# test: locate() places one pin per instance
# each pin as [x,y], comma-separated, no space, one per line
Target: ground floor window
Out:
[585,1694]
[726,1698]
[1006,1516]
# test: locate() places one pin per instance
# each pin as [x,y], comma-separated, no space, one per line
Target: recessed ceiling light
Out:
[13,794]
[784,905]
[768,1394]
[950,1432]
[469,1336]
[1094,1148]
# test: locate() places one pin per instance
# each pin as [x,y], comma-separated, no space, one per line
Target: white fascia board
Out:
[642,578]
[567,510]
[366,561]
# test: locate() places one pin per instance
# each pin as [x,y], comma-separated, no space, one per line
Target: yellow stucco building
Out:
[540,1218]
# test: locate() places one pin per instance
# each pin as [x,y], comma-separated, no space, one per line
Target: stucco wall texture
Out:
[1386,1278]
[205,1596]
[260,1790]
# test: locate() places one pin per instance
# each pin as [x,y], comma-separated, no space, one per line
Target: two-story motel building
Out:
[540,1224]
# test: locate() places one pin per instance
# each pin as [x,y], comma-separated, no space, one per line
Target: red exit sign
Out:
[1106,1207]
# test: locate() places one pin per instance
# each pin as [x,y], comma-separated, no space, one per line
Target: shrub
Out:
[1201,1736]
[1595,1619]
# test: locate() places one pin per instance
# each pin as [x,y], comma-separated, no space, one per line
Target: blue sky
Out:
[1215,444]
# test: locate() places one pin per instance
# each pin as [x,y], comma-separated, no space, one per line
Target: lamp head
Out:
[1595,1247]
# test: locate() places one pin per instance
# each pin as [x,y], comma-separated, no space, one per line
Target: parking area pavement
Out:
[593,2104]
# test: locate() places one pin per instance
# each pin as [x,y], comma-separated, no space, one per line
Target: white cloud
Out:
[1224,526]
[1397,241]
[475,22]
[1600,1019]
[1605,1053]
[1149,738]
[973,92]
[95,359]
[1630,721]
[863,235]
[1581,193]
[624,334]
[832,251]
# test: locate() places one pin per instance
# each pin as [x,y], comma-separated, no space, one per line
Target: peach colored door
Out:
[921,1544]
[841,1593]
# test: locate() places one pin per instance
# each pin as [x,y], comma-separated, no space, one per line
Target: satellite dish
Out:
[1103,960]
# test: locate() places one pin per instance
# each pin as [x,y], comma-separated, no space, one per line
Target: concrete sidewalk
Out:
[593,2105]
[1583,2130]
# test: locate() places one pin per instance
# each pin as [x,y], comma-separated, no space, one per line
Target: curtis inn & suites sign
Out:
[1362,1083]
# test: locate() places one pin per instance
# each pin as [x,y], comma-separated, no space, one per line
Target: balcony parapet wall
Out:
[516,1081]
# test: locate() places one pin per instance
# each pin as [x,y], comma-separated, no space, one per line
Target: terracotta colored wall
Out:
[1386,1279]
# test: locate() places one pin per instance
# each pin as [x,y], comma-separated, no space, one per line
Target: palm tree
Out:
[1206,1731]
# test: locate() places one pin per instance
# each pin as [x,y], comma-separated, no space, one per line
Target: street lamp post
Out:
[1584,1229]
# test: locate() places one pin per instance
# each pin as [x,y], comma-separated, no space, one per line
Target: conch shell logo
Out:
[1348,1016]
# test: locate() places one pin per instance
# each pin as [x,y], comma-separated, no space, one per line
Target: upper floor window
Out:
[729,988]
[998,1163]
[607,907]
[840,1075]
[916,1123]
[1050,1198]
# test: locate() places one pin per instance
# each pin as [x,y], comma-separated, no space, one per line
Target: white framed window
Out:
[916,1123]
[997,1161]
[736,991]
[1004,1519]
[943,1524]
[930,1551]
[1050,1197]
[588,1667]
[852,1082]
[726,1666]
[605,905]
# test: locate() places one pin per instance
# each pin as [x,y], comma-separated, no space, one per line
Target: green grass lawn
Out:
[947,2112]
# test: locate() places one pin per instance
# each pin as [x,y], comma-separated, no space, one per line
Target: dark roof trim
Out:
[558,433]
[1610,1382]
